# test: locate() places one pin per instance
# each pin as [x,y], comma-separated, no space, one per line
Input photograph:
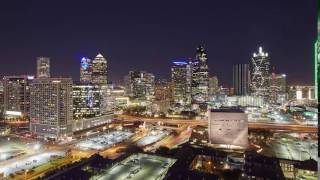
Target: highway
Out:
[301,128]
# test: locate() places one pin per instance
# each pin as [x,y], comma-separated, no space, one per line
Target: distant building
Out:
[86,71]
[140,84]
[51,107]
[241,79]
[228,127]
[120,99]
[1,100]
[181,84]
[200,77]
[86,101]
[43,67]
[213,85]
[260,74]
[99,70]
[302,93]
[16,94]
[278,88]
[163,95]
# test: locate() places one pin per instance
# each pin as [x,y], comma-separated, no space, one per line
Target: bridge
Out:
[251,125]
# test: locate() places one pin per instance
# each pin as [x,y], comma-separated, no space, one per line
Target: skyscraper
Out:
[277,88]
[16,95]
[213,85]
[85,71]
[241,79]
[43,67]
[140,84]
[260,74]
[181,83]
[200,77]
[99,70]
[51,107]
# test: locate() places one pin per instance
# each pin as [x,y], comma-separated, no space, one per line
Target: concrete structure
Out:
[278,88]
[228,127]
[43,67]
[16,95]
[213,85]
[241,79]
[51,107]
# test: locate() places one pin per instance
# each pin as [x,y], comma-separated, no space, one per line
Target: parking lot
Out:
[103,141]
[138,167]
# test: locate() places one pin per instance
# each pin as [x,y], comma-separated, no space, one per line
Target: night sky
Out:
[148,35]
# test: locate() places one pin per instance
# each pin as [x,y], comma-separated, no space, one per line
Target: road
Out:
[251,125]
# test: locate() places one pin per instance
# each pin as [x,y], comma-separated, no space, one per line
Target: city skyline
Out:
[288,42]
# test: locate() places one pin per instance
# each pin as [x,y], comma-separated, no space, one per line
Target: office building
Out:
[241,79]
[99,70]
[181,84]
[228,127]
[200,77]
[140,84]
[43,67]
[260,74]
[16,94]
[163,95]
[51,107]
[86,71]
[213,85]
[278,89]
[86,101]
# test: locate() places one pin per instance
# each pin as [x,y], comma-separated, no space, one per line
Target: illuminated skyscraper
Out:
[43,67]
[51,107]
[86,71]
[181,83]
[260,74]
[200,77]
[278,88]
[316,66]
[241,79]
[139,84]
[99,70]
[16,95]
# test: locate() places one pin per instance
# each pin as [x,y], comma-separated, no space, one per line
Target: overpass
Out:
[251,125]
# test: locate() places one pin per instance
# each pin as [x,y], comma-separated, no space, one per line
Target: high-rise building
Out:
[316,66]
[278,88]
[16,95]
[228,127]
[51,107]
[241,79]
[200,77]
[163,95]
[1,100]
[181,83]
[86,101]
[99,70]
[140,84]
[86,71]
[260,74]
[213,85]
[43,67]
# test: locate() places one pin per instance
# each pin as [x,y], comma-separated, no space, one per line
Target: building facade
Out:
[16,92]
[86,71]
[51,112]
[228,127]
[181,83]
[278,88]
[43,67]
[200,77]
[241,79]
[213,85]
[140,85]
[86,101]
[99,70]
[260,74]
